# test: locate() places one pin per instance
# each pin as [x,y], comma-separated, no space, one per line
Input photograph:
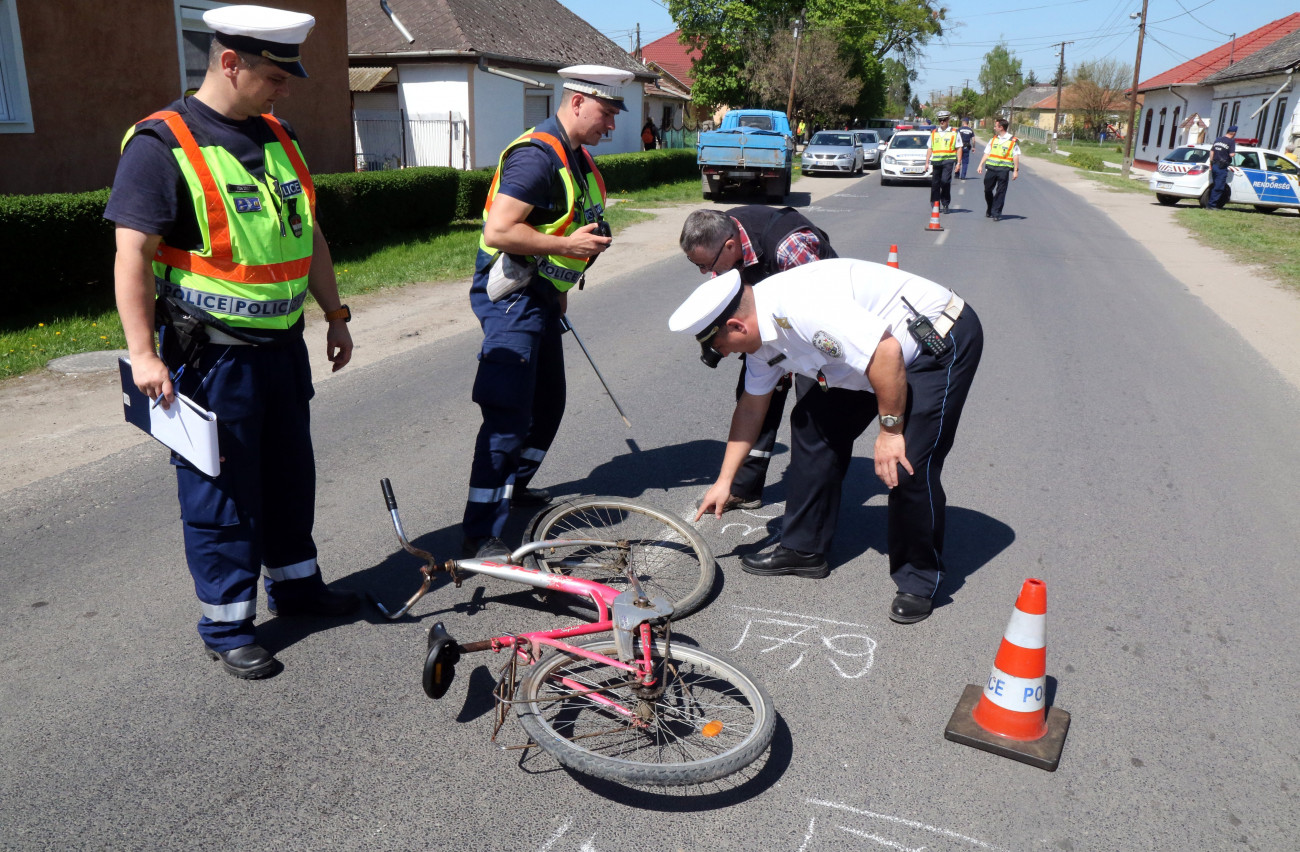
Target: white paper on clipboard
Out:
[186,428]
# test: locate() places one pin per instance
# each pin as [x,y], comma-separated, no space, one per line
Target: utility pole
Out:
[794,72]
[1060,79]
[1133,111]
[637,52]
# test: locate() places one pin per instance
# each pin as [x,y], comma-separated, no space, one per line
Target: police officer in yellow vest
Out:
[941,157]
[542,227]
[1000,165]
[217,248]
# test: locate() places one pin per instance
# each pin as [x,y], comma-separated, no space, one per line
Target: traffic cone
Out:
[893,257]
[934,220]
[1009,716]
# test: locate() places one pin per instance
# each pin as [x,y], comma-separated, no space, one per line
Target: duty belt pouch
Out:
[509,274]
[181,336]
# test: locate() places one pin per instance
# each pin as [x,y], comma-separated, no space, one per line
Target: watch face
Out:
[888,420]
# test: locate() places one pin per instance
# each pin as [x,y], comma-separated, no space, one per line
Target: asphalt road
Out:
[1121,443]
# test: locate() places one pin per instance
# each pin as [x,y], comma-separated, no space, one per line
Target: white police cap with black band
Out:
[698,315]
[275,34]
[599,81]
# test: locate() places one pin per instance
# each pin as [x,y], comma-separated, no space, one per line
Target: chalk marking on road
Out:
[811,825]
[907,822]
[882,841]
[586,845]
[942,239]
[797,615]
[799,628]
[559,832]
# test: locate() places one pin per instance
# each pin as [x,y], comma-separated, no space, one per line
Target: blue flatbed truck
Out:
[753,148]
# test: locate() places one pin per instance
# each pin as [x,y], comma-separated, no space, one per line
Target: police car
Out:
[904,158]
[1260,177]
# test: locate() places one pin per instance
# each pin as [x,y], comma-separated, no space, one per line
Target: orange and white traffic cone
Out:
[934,220]
[1009,715]
[893,257]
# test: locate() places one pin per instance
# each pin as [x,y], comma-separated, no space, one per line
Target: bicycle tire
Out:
[672,749]
[670,558]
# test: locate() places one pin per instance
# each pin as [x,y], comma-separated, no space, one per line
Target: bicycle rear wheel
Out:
[704,720]
[669,558]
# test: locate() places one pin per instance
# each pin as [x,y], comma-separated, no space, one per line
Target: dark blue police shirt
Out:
[528,176]
[967,137]
[150,194]
[1222,150]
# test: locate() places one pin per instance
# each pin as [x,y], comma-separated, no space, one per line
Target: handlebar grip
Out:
[387,488]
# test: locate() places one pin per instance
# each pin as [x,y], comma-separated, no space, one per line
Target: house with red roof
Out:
[668,99]
[1196,101]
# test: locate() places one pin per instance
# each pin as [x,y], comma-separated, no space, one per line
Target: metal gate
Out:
[394,141]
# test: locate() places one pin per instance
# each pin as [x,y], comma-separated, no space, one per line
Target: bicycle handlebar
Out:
[389,498]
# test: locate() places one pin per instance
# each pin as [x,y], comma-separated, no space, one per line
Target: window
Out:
[537,106]
[193,37]
[15,106]
[1280,164]
[1173,131]
[1160,134]
[667,122]
[1223,118]
[1262,124]
[1246,160]
[1279,116]
[1236,111]
[1146,131]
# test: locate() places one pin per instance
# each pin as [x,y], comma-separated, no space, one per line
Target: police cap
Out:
[703,312]
[274,34]
[599,81]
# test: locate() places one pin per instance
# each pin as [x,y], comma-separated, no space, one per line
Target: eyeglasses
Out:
[712,263]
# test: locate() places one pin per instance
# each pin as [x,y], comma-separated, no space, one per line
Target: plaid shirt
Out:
[795,250]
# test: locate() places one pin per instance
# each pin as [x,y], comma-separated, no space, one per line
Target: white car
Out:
[904,158]
[1260,177]
[833,151]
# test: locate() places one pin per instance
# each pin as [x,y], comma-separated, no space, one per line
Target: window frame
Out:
[177,6]
[13,71]
[1280,117]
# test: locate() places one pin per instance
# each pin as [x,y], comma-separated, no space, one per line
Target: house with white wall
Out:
[1261,91]
[473,76]
[1183,106]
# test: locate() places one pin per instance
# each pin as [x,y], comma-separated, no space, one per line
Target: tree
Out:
[1097,91]
[966,104]
[1000,78]
[899,77]
[823,87]
[1031,79]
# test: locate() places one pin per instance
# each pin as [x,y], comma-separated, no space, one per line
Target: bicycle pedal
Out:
[440,662]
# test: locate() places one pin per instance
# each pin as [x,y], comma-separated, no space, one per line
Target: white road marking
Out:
[907,822]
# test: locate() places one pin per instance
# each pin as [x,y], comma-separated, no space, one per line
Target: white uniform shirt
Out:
[830,316]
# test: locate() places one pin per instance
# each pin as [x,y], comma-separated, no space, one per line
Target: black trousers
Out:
[996,181]
[824,426]
[941,181]
[752,475]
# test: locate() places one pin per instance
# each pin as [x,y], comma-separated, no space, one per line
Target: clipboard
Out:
[187,429]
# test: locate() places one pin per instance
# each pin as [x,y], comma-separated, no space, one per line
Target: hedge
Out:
[58,248]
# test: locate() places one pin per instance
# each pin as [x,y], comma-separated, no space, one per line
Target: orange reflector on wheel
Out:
[712,729]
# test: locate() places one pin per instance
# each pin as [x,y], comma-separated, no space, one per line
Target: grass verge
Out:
[28,343]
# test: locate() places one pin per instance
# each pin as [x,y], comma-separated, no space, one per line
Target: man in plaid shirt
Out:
[757,241]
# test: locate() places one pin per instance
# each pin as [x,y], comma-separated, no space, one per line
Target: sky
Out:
[1177,30]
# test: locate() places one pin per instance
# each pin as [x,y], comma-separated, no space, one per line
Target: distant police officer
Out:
[1002,159]
[758,242]
[542,227]
[845,323]
[1221,154]
[215,214]
[941,157]
[967,139]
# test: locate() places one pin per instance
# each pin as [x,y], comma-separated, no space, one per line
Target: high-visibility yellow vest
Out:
[564,272]
[1000,153]
[943,145]
[251,270]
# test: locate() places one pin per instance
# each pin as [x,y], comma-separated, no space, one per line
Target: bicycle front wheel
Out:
[669,558]
[703,720]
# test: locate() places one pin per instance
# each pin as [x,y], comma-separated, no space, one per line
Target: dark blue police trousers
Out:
[259,510]
[824,426]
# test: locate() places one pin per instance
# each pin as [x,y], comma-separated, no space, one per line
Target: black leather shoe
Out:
[248,662]
[908,609]
[530,497]
[943,209]
[988,215]
[321,602]
[489,547]
[782,560]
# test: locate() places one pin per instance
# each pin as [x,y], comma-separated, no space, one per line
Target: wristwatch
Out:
[889,421]
[342,313]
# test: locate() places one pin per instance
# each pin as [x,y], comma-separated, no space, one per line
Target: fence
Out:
[678,138]
[398,142]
